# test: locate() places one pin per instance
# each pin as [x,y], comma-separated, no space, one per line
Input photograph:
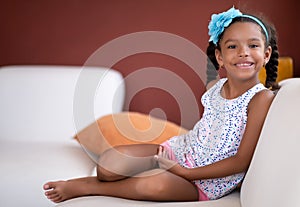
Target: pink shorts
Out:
[166,145]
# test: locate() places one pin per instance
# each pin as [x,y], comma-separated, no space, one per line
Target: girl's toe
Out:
[57,199]
[48,186]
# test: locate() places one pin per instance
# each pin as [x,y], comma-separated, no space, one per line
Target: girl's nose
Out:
[243,51]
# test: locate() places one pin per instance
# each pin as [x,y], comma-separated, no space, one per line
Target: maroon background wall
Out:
[68,32]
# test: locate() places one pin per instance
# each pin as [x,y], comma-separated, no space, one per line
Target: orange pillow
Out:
[126,128]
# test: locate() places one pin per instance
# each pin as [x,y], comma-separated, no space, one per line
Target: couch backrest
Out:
[54,102]
[273,179]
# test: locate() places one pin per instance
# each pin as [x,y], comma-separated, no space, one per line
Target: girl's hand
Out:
[163,159]
[165,163]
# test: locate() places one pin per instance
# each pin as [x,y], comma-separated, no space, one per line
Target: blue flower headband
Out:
[220,21]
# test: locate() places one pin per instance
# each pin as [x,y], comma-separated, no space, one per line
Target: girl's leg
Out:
[151,186]
[125,161]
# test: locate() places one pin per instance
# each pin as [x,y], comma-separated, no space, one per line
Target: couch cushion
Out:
[231,200]
[26,166]
[273,177]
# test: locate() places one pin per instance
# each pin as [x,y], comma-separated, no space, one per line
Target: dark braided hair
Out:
[212,64]
[271,67]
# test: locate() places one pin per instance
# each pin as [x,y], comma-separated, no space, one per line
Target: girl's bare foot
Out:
[63,190]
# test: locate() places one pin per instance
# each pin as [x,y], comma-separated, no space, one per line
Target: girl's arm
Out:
[257,111]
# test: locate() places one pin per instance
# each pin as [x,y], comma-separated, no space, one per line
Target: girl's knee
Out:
[150,190]
[163,187]
[105,170]
[107,158]
[105,175]
[153,188]
[111,155]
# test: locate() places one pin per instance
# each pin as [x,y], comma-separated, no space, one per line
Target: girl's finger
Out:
[160,151]
[165,154]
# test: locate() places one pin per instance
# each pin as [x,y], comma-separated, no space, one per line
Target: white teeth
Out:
[243,64]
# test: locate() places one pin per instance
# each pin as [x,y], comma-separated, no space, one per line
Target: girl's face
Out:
[243,51]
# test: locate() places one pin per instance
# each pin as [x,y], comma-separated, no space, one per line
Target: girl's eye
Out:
[231,46]
[253,46]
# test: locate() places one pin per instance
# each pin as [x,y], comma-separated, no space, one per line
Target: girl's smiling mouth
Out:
[244,65]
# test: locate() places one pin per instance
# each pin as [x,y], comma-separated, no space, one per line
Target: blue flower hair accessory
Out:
[220,21]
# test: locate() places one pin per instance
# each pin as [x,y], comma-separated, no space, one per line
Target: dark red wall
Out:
[68,32]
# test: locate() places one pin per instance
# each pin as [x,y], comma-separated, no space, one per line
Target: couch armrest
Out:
[273,176]
[48,102]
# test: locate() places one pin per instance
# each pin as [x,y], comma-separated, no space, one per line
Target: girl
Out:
[211,160]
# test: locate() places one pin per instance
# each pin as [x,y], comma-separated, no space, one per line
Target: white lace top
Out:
[216,136]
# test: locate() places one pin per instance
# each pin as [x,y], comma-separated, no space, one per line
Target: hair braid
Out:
[272,65]
[212,64]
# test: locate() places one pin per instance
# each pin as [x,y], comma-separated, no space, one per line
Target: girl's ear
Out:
[219,57]
[268,53]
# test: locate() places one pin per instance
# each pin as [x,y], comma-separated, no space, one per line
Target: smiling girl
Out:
[211,160]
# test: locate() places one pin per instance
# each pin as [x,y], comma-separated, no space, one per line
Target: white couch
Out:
[42,107]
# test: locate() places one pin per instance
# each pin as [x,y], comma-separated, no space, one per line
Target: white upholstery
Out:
[273,178]
[42,107]
[231,200]
[26,166]
[38,100]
